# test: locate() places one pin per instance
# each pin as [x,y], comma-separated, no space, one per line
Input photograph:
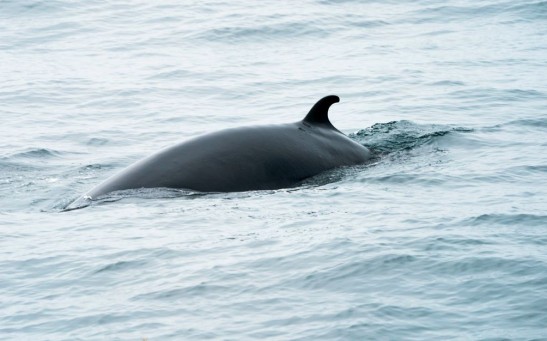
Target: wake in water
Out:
[397,136]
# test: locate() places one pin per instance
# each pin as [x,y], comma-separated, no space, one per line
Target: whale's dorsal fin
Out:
[319,113]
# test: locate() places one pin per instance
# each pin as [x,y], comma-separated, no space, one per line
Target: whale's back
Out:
[241,159]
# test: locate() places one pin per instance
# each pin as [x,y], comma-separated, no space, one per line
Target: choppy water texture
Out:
[443,237]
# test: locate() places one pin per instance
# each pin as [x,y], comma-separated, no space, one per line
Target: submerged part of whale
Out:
[248,158]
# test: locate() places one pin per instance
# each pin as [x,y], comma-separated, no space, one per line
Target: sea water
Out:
[443,236]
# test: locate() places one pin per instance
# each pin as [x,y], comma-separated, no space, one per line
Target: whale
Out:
[262,157]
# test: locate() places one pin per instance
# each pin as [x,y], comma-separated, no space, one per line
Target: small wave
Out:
[201,289]
[15,167]
[493,96]
[527,170]
[535,10]
[120,266]
[531,122]
[477,265]
[173,74]
[139,193]
[407,178]
[32,7]
[536,169]
[97,141]
[369,23]
[346,274]
[507,220]
[448,13]
[402,135]
[447,83]
[34,153]
[262,32]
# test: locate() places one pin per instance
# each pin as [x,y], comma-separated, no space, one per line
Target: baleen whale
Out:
[265,157]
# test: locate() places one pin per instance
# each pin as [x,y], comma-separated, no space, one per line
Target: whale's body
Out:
[248,158]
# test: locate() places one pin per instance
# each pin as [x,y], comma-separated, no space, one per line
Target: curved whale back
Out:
[246,158]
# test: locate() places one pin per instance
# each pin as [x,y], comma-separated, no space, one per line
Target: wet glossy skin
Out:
[247,158]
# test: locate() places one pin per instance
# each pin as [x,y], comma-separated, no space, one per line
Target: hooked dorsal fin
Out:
[319,113]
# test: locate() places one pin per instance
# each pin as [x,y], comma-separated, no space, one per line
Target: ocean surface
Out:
[443,237]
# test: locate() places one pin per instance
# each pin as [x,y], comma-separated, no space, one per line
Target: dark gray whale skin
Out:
[242,159]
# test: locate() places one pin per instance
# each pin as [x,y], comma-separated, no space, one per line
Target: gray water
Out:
[442,237]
